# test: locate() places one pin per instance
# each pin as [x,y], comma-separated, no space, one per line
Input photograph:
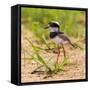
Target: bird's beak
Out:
[46,27]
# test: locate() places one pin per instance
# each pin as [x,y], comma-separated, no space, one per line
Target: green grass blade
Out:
[42,61]
[45,42]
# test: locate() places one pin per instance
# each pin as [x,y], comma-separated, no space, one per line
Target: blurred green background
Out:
[35,19]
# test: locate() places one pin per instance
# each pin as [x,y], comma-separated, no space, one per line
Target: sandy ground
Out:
[74,70]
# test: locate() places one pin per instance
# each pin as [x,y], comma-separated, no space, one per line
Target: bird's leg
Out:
[58,54]
[64,51]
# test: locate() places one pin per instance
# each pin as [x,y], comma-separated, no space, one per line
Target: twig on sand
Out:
[36,69]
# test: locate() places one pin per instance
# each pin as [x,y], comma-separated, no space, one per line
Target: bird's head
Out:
[53,24]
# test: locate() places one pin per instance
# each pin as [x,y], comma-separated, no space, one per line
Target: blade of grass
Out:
[42,61]
[45,42]
[38,57]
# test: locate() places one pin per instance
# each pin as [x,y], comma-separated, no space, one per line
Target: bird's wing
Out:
[65,38]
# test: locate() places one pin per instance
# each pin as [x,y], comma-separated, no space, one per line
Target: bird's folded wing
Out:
[64,37]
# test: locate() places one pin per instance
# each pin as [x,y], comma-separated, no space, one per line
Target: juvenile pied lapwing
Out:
[58,37]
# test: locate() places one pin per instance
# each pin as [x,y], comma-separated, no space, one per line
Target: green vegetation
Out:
[72,23]
[35,19]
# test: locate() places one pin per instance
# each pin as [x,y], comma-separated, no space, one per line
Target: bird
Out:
[58,37]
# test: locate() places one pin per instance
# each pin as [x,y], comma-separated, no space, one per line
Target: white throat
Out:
[54,29]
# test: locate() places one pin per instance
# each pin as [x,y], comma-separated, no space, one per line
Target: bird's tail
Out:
[75,45]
